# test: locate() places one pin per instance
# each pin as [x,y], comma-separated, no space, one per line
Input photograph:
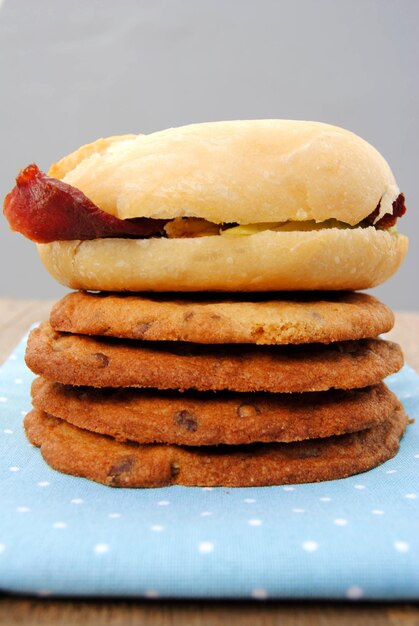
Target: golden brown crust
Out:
[104,362]
[79,452]
[236,171]
[328,259]
[266,319]
[197,419]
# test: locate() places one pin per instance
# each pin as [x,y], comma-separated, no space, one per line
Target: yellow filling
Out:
[253,229]
[197,227]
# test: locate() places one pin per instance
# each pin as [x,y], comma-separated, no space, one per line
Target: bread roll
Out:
[261,172]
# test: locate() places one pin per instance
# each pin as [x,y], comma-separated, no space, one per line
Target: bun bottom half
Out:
[329,259]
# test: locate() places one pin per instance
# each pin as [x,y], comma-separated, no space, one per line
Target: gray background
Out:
[73,71]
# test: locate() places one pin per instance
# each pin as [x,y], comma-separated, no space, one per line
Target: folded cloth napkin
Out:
[356,538]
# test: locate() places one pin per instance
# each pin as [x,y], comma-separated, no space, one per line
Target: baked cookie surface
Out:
[256,318]
[71,450]
[196,419]
[106,362]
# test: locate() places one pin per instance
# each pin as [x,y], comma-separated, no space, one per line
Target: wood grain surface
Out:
[15,317]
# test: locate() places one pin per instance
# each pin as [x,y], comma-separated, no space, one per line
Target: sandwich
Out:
[201,347]
[225,206]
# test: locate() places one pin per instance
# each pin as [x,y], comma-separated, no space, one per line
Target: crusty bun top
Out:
[238,171]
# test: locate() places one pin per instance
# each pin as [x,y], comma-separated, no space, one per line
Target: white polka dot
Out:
[405,394]
[340,521]
[13,357]
[391,472]
[354,593]
[205,547]
[151,593]
[207,489]
[18,381]
[22,509]
[3,399]
[76,501]
[249,500]
[206,513]
[114,515]
[255,522]
[325,499]
[59,525]
[288,488]
[377,512]
[298,510]
[101,548]
[411,496]
[2,547]
[14,468]
[7,431]
[310,546]
[401,546]
[259,594]
[156,528]
[163,502]
[416,456]
[359,487]
[43,483]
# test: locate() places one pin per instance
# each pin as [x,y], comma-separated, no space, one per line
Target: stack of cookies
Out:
[218,336]
[143,391]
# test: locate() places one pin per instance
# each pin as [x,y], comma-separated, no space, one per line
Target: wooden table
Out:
[15,317]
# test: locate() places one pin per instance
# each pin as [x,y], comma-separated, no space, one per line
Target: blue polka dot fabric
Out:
[356,538]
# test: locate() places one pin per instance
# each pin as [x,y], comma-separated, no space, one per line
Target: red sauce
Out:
[389,219]
[45,209]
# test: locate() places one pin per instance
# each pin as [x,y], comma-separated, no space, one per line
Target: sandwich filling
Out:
[45,209]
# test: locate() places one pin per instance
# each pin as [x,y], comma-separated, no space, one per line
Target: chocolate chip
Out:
[188,316]
[123,466]
[141,329]
[101,360]
[186,420]
[215,317]
[316,316]
[248,410]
